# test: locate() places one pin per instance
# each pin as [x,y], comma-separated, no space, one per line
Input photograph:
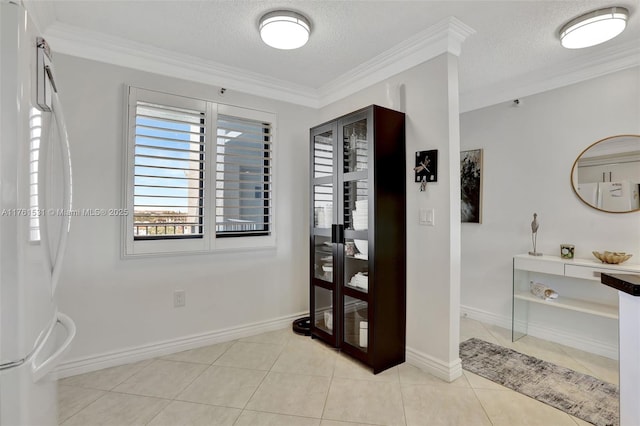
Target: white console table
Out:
[584,299]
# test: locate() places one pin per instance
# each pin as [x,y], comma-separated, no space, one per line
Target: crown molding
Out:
[579,69]
[444,37]
[71,40]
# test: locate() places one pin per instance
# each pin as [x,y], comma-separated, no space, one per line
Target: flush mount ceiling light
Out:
[594,27]
[284,29]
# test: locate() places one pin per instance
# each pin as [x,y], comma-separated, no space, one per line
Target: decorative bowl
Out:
[612,257]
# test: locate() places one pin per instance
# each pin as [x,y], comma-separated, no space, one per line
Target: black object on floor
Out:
[302,326]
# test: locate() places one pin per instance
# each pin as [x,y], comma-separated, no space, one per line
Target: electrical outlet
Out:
[179,298]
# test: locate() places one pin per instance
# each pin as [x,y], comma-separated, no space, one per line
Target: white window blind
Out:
[169,172]
[243,177]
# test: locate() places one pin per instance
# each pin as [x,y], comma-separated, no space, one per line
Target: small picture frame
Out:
[426,169]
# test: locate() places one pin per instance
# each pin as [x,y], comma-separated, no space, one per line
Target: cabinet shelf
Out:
[578,305]
[364,259]
[356,292]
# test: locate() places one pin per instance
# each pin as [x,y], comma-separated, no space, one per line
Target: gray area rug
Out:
[580,395]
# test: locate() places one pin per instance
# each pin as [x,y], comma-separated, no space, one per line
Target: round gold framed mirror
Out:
[606,175]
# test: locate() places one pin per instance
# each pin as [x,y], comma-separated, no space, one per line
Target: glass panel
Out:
[323,309]
[356,266]
[323,206]
[520,307]
[323,154]
[355,146]
[356,323]
[323,259]
[356,205]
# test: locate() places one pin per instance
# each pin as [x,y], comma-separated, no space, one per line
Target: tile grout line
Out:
[404,410]
[244,408]
[326,398]
[81,409]
[190,383]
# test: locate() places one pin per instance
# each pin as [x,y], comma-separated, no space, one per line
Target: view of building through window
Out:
[169,172]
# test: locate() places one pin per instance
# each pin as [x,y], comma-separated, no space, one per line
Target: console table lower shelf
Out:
[593,308]
[577,281]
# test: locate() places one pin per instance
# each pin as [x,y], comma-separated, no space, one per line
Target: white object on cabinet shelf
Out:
[582,269]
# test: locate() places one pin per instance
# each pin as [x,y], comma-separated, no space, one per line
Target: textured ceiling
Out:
[513,38]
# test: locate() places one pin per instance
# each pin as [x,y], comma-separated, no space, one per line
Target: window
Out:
[188,191]
[243,177]
[168,172]
[35,134]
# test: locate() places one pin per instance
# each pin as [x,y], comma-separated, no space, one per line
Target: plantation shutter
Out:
[169,158]
[243,177]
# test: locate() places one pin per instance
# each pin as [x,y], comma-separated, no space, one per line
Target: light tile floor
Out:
[280,379]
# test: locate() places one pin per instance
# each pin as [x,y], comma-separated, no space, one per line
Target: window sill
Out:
[173,248]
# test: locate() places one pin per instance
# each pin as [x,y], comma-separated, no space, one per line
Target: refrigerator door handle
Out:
[46,366]
[67,202]
[54,264]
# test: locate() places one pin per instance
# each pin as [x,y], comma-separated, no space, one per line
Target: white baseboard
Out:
[543,331]
[485,317]
[139,353]
[442,370]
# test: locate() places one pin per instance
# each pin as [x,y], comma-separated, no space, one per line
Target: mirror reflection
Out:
[606,175]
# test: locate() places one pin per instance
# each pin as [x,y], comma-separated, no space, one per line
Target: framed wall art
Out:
[471,186]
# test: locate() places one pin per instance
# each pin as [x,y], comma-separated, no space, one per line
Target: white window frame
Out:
[208,243]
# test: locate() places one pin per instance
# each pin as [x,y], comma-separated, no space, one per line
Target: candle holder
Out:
[567,251]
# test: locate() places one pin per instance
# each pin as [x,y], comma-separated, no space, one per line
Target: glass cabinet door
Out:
[323,259]
[324,216]
[356,324]
[323,219]
[323,309]
[356,218]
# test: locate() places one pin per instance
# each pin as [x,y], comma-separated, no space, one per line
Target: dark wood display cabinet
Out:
[358,235]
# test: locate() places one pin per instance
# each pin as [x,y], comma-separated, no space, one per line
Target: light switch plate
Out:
[426,217]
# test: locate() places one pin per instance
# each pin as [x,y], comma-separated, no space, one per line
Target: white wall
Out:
[433,253]
[121,304]
[528,154]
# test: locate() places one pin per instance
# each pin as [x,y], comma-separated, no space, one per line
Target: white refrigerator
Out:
[35,208]
[619,196]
